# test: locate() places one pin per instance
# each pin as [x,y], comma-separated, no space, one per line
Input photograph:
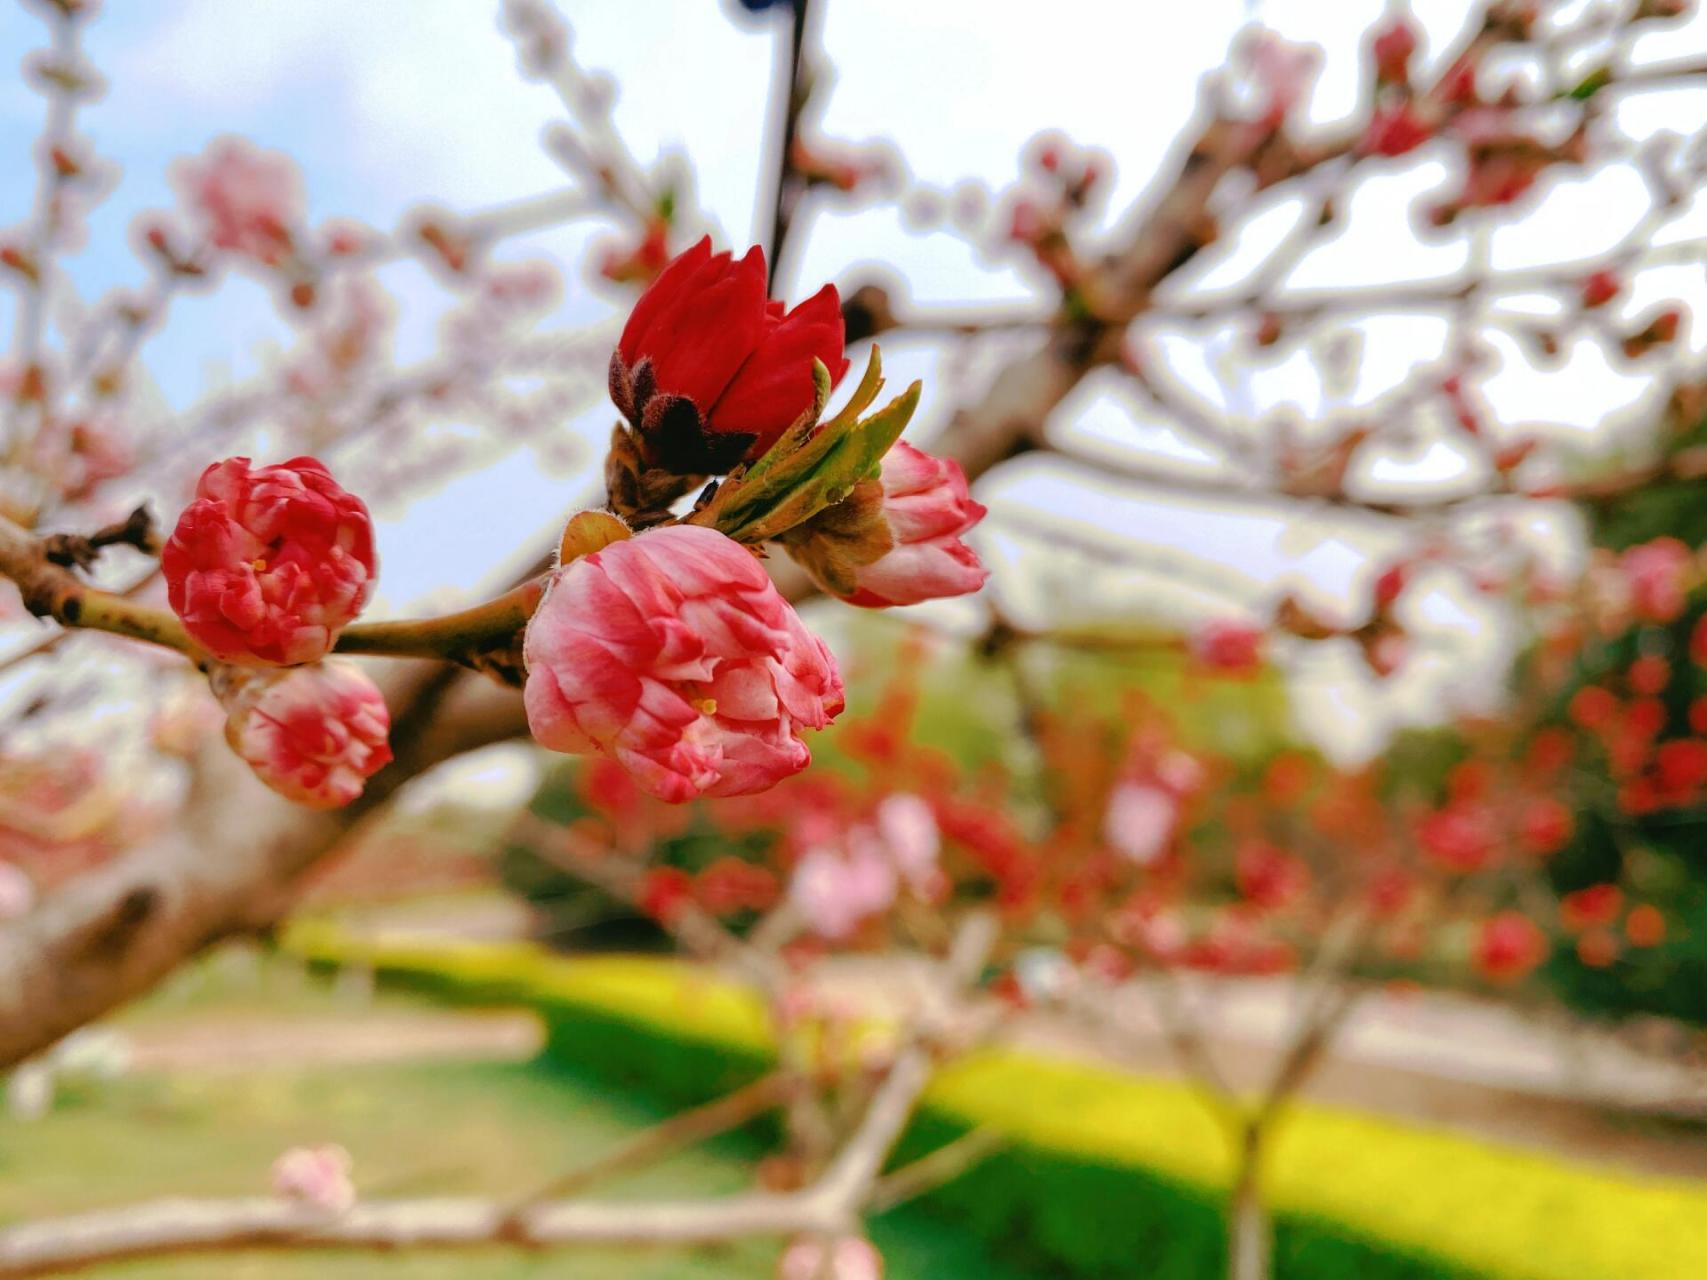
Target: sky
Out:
[388,103]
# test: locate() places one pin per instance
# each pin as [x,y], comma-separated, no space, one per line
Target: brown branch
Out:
[681,1130]
[928,1172]
[43,228]
[1425,294]
[793,94]
[51,591]
[53,639]
[172,1227]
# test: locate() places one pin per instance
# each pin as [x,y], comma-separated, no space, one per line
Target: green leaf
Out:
[814,465]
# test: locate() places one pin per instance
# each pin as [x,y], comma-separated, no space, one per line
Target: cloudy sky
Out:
[388,103]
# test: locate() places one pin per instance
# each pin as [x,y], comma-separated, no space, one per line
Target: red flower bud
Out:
[1544,825]
[1645,926]
[1592,707]
[1392,48]
[1649,675]
[709,371]
[1232,648]
[314,734]
[1267,876]
[267,566]
[1508,947]
[1681,766]
[664,892]
[1598,949]
[1599,904]
[1389,585]
[1459,837]
[1600,288]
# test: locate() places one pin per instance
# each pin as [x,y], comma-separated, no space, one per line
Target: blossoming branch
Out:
[659,639]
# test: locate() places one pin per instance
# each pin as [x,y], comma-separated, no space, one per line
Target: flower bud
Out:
[709,371]
[927,506]
[313,734]
[266,566]
[672,653]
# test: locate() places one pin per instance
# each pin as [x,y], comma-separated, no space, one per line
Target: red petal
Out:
[774,386]
[660,296]
[697,346]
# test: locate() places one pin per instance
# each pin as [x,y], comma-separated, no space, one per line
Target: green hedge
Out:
[1106,1174]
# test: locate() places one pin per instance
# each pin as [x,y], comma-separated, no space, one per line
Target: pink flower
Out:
[1461,837]
[1231,647]
[1280,71]
[317,1176]
[248,199]
[710,371]
[79,455]
[849,1258]
[846,878]
[928,507]
[907,827]
[673,654]
[1657,574]
[314,734]
[267,566]
[835,891]
[1140,821]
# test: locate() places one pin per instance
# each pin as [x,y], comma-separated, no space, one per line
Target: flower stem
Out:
[454,636]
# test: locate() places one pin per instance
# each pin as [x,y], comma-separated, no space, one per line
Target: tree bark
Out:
[230,865]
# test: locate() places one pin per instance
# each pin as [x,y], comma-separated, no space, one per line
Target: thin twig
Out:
[928,1172]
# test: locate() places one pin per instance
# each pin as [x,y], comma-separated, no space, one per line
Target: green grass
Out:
[248,979]
[414,1129]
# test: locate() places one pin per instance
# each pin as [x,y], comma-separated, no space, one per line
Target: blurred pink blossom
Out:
[1657,575]
[907,827]
[1140,821]
[317,1176]
[247,199]
[849,1258]
[835,890]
